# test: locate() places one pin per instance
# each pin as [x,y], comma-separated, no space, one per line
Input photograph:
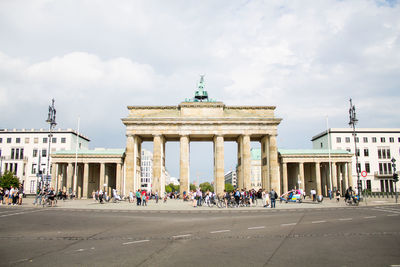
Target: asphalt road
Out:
[354,236]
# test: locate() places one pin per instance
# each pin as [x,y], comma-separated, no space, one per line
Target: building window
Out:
[34,153]
[63,140]
[36,140]
[17,140]
[367,167]
[366,152]
[54,140]
[21,153]
[369,185]
[33,170]
[397,140]
[27,140]
[347,139]
[358,152]
[391,139]
[373,139]
[383,153]
[357,140]
[322,145]
[1,140]
[358,167]
[348,149]
[8,140]
[44,140]
[12,153]
[44,153]
[338,140]
[32,186]
[365,139]
[385,168]
[383,140]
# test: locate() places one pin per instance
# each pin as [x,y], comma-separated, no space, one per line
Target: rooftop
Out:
[358,130]
[96,151]
[41,130]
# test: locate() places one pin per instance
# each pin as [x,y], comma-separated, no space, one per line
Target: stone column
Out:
[284,178]
[350,175]
[265,182]
[246,162]
[158,160]
[273,165]
[118,178]
[70,175]
[61,177]
[219,181]
[344,177]
[138,163]
[334,177]
[184,164]
[54,175]
[318,178]
[301,173]
[85,180]
[102,176]
[130,163]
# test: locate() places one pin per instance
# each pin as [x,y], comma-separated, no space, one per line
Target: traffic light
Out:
[395,177]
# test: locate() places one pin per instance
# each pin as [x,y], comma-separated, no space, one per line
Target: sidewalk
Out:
[173,204]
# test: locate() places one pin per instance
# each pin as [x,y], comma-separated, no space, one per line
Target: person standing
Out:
[156,195]
[330,194]
[138,198]
[273,196]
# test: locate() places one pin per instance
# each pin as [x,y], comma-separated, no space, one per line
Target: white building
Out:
[146,170]
[25,152]
[375,149]
[231,178]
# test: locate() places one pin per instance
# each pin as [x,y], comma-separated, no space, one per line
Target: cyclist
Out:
[51,195]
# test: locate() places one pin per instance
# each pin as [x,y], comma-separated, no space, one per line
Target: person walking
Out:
[337,195]
[273,196]
[138,197]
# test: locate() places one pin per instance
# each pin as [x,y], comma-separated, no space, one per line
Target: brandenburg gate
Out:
[201,119]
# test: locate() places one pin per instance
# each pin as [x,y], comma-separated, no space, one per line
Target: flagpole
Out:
[329,154]
[76,159]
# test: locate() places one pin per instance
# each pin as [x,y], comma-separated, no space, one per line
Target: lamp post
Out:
[353,121]
[51,120]
[395,176]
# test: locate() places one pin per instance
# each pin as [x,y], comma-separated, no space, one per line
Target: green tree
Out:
[9,179]
[206,186]
[229,187]
[168,189]
[192,187]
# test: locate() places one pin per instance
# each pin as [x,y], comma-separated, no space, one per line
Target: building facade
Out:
[25,152]
[231,178]
[375,149]
[146,170]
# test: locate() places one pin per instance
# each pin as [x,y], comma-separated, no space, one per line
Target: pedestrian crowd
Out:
[11,196]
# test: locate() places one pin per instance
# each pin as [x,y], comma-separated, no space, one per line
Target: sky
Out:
[307,58]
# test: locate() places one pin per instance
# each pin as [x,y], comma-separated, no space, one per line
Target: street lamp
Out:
[395,176]
[51,120]
[353,121]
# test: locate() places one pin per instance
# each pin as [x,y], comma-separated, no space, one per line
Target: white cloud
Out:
[307,58]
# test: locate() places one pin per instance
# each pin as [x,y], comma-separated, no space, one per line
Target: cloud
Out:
[306,58]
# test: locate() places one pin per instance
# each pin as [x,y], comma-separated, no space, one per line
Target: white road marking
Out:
[81,249]
[288,224]
[391,211]
[318,222]
[180,236]
[18,213]
[369,217]
[346,219]
[256,227]
[391,215]
[135,242]
[219,231]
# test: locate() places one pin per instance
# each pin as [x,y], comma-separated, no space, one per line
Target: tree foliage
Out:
[229,187]
[9,180]
[192,187]
[206,186]
[172,188]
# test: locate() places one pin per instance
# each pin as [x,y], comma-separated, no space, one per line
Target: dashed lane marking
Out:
[256,227]
[219,231]
[18,213]
[318,222]
[391,211]
[135,242]
[288,224]
[345,219]
[392,215]
[181,236]
[369,217]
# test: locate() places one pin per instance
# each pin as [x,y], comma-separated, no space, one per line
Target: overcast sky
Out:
[95,58]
